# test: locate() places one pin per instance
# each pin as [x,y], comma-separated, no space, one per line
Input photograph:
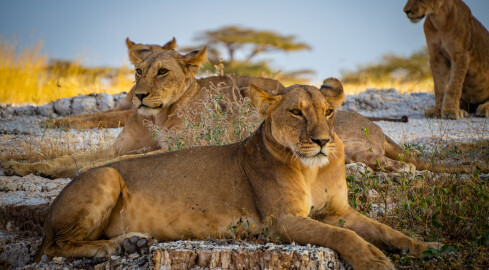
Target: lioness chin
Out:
[458,45]
[291,170]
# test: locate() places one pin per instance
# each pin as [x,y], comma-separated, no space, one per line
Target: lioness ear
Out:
[332,90]
[264,103]
[192,61]
[135,55]
[170,45]
[129,43]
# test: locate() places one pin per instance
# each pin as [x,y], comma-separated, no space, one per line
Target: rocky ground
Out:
[24,200]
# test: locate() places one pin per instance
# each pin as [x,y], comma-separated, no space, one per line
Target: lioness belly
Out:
[174,220]
[172,196]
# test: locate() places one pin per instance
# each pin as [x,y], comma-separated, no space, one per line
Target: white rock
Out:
[46,110]
[62,106]
[58,260]
[28,110]
[373,193]
[83,104]
[105,102]
[7,112]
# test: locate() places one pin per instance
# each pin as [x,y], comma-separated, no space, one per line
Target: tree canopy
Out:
[247,43]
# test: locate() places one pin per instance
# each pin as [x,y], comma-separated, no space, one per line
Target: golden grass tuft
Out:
[26,76]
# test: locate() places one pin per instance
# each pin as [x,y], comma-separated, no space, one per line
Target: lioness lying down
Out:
[165,86]
[118,116]
[458,45]
[291,170]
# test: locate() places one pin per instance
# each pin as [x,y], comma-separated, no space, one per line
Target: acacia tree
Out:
[233,38]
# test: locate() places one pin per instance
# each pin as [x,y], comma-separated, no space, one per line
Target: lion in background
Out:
[118,116]
[291,170]
[458,46]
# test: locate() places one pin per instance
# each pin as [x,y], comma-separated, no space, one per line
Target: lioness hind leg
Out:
[64,166]
[108,119]
[380,162]
[130,243]
[78,218]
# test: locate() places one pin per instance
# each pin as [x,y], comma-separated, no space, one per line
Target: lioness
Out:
[458,45]
[291,170]
[165,86]
[118,116]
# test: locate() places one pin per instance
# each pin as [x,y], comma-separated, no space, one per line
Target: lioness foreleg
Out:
[64,166]
[347,243]
[451,100]
[441,72]
[380,234]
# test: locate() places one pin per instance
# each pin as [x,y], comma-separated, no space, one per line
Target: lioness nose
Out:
[141,96]
[407,11]
[320,142]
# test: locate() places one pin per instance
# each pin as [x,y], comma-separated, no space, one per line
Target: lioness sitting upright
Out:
[291,170]
[458,45]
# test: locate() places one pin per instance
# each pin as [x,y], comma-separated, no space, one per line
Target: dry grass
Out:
[219,122]
[26,76]
[450,208]
[402,87]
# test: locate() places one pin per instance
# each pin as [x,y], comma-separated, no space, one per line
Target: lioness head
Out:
[416,10]
[163,77]
[137,51]
[302,119]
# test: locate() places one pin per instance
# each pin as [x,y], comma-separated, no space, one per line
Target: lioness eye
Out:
[162,71]
[139,71]
[329,112]
[296,112]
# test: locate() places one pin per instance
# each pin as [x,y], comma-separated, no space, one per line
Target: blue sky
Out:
[342,34]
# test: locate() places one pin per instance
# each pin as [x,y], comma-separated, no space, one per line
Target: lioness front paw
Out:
[16,168]
[433,112]
[371,258]
[138,243]
[483,110]
[417,251]
[453,113]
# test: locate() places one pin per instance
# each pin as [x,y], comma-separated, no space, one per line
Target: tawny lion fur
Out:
[290,171]
[164,96]
[118,116]
[458,46]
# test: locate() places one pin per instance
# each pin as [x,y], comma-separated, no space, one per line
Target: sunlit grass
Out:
[402,87]
[26,76]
